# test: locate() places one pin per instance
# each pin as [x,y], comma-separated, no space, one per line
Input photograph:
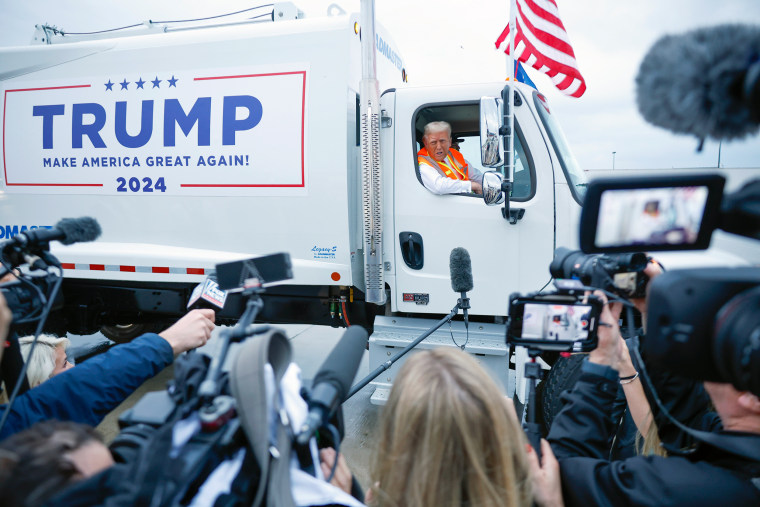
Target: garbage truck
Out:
[202,145]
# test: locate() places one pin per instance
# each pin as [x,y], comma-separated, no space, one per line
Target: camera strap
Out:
[744,446]
[248,382]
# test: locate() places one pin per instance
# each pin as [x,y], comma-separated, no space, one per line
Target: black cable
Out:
[545,285]
[466,340]
[40,295]
[38,331]
[336,442]
[57,31]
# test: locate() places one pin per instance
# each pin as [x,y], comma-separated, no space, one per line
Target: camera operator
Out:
[580,433]
[87,393]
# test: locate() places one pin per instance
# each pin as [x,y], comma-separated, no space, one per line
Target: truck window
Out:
[465,127]
[576,179]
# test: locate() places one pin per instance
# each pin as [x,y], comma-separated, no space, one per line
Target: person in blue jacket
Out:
[87,393]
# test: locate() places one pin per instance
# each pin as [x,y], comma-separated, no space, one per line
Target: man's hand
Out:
[5,322]
[343,478]
[191,331]
[477,188]
[547,487]
[610,351]
[653,270]
[9,277]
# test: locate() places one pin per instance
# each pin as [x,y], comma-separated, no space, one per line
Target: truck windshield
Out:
[576,179]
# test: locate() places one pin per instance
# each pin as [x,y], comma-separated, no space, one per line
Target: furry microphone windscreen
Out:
[77,230]
[698,83]
[461,270]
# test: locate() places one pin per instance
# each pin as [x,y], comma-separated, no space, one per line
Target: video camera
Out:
[702,323]
[30,293]
[564,321]
[238,410]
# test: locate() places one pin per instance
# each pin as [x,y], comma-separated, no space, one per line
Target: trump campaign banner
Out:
[230,131]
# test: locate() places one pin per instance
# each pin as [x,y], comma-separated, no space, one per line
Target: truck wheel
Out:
[563,375]
[123,333]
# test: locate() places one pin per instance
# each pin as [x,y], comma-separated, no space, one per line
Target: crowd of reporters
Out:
[447,435]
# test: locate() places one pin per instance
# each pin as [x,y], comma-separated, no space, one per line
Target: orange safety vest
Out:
[453,166]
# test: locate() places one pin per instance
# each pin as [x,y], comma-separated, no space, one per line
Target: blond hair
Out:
[650,444]
[447,438]
[437,126]
[42,363]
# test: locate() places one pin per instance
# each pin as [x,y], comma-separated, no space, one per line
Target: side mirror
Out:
[491,113]
[492,193]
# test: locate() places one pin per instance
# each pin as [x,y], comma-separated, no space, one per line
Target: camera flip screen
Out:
[650,214]
[566,323]
[554,325]
[657,216]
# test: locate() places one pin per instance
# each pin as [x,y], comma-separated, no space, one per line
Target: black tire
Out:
[124,333]
[563,375]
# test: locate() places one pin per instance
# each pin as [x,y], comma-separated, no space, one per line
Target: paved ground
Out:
[311,344]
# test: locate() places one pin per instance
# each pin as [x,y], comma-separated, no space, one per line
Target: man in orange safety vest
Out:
[442,168]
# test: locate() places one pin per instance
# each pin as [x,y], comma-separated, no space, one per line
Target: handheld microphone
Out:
[333,381]
[461,277]
[207,294]
[68,231]
[705,82]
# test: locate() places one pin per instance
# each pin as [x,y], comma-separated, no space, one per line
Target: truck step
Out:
[391,334]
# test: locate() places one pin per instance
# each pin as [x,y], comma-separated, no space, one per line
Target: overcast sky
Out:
[610,38]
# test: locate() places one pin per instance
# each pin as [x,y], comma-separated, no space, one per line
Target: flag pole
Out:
[509,154]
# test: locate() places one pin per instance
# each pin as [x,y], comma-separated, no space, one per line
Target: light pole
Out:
[613,160]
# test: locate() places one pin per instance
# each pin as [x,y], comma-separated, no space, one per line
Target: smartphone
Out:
[557,323]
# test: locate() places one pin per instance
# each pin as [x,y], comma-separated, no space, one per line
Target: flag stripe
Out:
[541,42]
[539,23]
[547,46]
[537,27]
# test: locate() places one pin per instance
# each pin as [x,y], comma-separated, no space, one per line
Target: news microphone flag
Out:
[542,43]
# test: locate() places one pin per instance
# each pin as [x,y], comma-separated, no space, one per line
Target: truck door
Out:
[505,258]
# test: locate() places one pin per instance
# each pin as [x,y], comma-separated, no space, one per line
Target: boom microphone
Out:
[332,382]
[460,268]
[705,82]
[68,231]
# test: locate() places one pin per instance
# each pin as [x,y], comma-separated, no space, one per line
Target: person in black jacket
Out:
[580,434]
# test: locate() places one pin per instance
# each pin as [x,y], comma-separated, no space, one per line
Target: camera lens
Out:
[563,264]
[631,261]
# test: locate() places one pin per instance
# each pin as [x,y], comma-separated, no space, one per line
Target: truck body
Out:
[200,146]
[251,146]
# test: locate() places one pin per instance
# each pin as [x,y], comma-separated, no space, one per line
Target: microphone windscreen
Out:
[340,367]
[461,270]
[77,230]
[694,83]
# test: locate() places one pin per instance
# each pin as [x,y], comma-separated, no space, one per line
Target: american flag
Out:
[542,43]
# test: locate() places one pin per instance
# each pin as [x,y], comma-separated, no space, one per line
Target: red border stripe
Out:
[131,269]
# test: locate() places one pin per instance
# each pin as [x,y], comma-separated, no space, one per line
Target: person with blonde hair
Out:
[48,359]
[449,437]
